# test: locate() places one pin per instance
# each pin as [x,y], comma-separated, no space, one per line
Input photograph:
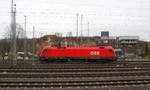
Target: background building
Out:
[130,45]
[104,34]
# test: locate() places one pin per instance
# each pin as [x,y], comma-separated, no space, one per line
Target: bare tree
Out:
[19,32]
[6,42]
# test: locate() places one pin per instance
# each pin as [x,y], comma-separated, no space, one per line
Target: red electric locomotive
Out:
[78,53]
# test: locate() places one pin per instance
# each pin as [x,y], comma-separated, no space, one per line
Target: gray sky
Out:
[120,17]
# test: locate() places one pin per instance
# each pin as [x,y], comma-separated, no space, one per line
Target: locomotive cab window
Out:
[45,51]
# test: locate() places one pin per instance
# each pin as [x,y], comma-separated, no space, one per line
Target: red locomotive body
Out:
[78,53]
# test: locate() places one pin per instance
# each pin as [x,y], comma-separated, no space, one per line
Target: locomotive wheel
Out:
[69,60]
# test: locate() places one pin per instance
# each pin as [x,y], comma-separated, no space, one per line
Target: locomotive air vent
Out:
[61,47]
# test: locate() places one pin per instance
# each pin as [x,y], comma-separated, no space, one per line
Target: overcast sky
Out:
[120,17]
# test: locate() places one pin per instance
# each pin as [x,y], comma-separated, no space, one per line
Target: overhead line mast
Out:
[13,30]
[77,15]
[88,29]
[81,42]
[25,40]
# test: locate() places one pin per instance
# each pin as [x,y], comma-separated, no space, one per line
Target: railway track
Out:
[76,83]
[76,62]
[139,87]
[99,66]
[77,76]
[74,74]
[71,70]
[118,64]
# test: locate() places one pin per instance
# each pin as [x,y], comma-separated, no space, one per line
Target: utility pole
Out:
[81,25]
[13,30]
[88,29]
[41,34]
[25,41]
[33,42]
[81,28]
[77,24]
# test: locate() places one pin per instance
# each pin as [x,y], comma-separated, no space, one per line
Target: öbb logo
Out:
[94,53]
